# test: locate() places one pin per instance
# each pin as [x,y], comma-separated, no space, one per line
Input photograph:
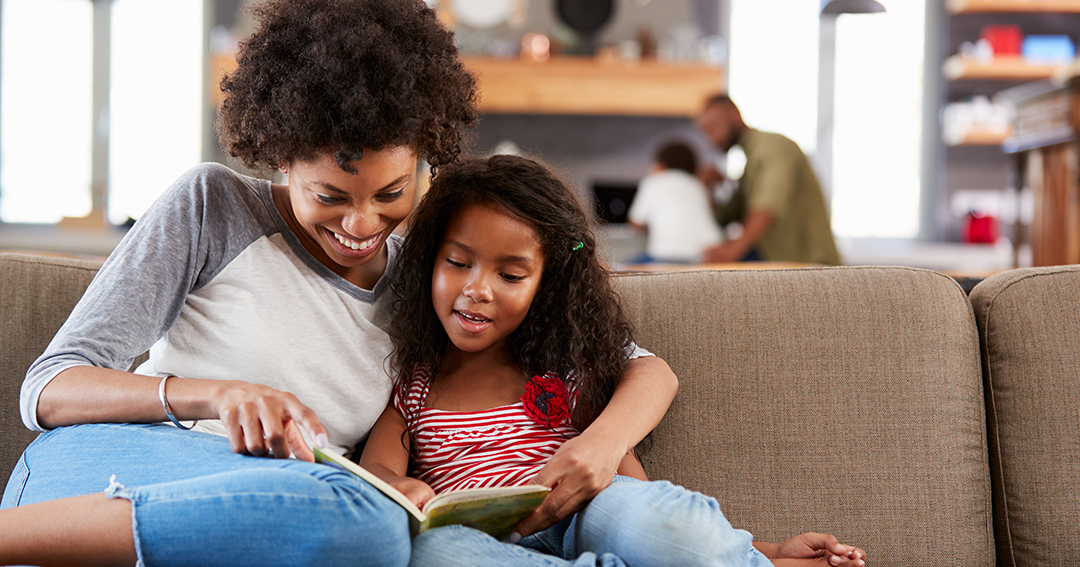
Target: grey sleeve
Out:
[141,288]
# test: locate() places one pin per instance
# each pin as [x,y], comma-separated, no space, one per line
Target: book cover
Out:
[492,510]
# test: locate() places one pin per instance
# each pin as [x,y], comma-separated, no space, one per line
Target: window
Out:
[773,66]
[47,123]
[45,109]
[156,100]
[877,128]
[877,106]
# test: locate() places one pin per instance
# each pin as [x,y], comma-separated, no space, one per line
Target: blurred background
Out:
[907,114]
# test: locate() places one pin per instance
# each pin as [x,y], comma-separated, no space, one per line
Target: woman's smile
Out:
[356,248]
[344,218]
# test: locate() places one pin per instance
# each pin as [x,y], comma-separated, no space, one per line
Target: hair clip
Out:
[578,246]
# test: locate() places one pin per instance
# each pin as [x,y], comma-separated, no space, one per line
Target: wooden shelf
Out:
[578,85]
[1013,6]
[980,137]
[220,64]
[1000,68]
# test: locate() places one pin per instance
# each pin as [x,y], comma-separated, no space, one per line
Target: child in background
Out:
[509,340]
[672,206]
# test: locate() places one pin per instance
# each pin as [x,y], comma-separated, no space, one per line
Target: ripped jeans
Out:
[195,502]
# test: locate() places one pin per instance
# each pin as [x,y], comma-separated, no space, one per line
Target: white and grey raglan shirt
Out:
[214,282]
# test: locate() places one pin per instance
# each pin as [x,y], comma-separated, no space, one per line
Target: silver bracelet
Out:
[168,410]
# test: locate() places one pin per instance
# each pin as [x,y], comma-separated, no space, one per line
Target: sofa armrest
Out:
[36,295]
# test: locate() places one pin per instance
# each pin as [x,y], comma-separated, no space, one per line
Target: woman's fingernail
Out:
[320,440]
[514,538]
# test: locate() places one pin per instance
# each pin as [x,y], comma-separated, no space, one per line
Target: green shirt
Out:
[778,179]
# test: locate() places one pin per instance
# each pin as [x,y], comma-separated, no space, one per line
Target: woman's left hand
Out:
[578,471]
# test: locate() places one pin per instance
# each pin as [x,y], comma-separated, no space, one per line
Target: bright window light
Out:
[773,66]
[45,110]
[877,131]
[156,99]
[877,106]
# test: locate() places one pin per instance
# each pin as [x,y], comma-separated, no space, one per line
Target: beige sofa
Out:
[844,400]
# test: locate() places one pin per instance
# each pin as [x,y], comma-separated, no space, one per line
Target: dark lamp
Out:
[837,7]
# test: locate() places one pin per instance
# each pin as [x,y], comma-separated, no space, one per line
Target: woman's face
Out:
[344,219]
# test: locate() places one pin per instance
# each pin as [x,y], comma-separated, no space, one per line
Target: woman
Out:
[265,309]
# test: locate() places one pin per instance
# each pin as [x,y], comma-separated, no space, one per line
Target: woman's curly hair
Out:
[575,325]
[344,76]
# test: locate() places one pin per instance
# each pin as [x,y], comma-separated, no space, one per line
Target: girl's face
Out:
[344,218]
[487,271]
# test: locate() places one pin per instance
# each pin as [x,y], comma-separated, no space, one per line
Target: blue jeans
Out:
[631,522]
[195,502]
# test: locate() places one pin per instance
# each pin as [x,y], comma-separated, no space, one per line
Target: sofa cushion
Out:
[1029,322]
[841,400]
[36,295]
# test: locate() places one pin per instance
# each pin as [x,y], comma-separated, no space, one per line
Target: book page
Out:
[495,511]
[455,496]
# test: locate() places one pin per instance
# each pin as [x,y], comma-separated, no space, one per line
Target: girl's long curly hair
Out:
[343,76]
[575,325]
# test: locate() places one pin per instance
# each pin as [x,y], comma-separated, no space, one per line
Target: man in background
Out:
[778,201]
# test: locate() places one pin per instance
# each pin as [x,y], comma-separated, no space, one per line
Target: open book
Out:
[493,510]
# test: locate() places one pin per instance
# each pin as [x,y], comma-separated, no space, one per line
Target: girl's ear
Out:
[283,167]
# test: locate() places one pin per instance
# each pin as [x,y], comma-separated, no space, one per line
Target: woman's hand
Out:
[813,549]
[577,472]
[263,421]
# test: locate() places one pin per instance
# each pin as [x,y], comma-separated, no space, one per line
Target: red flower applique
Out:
[545,400]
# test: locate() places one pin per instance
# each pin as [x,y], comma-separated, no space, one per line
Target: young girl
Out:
[508,341]
[265,309]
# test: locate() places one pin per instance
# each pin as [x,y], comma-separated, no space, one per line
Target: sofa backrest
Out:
[844,400]
[1029,322]
[838,400]
[37,294]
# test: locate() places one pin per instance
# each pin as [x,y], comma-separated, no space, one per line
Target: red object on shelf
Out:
[1005,40]
[979,228]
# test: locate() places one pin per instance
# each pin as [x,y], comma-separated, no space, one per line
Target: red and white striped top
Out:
[500,446]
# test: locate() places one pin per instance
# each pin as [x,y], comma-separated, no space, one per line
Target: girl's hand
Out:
[262,421]
[577,472]
[823,548]
[417,491]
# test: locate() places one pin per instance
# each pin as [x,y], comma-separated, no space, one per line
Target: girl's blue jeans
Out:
[630,523]
[195,502]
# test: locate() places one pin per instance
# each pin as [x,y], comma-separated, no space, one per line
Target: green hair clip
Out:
[578,246]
